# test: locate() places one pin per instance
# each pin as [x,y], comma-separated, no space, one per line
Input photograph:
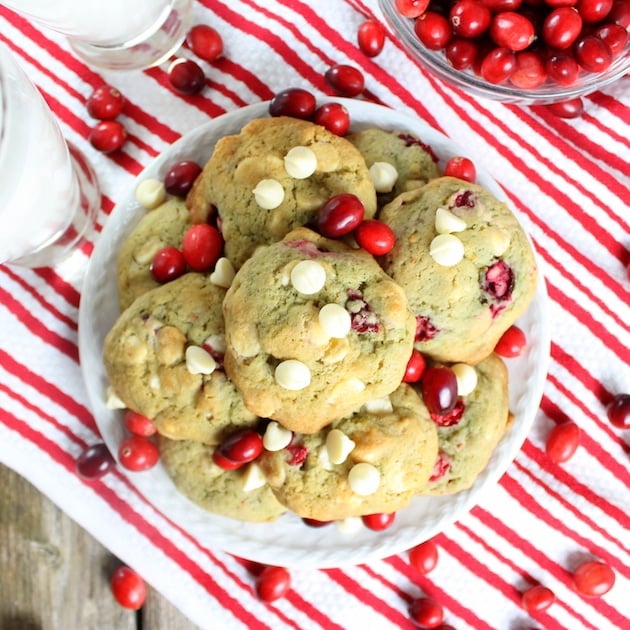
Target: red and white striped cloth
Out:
[570,179]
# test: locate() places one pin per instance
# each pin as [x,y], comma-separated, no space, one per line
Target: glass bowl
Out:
[549,92]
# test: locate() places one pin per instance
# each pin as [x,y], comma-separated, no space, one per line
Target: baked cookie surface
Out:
[156,355]
[462,309]
[240,162]
[307,359]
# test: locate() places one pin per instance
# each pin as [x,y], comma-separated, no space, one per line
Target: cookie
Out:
[413,162]
[313,329]
[162,227]
[372,462]
[163,357]
[256,156]
[468,285]
[468,435]
[225,492]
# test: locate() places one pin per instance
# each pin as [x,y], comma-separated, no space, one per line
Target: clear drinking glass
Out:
[49,195]
[114,34]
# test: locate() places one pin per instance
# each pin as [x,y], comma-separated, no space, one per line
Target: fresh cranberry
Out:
[180,177]
[563,68]
[108,135]
[168,264]
[452,417]
[411,8]
[425,329]
[530,71]
[592,11]
[512,30]
[362,318]
[294,102]
[415,367]
[469,18]
[297,454]
[375,237]
[345,80]
[128,588]
[138,453]
[439,389]
[371,37]
[570,108]
[378,522]
[426,612]
[562,442]
[561,27]
[613,35]
[511,343]
[593,579]
[618,411]
[202,246]
[502,5]
[313,522]
[340,215]
[592,53]
[186,76]
[499,281]
[424,557]
[205,42]
[498,65]
[273,583]
[620,13]
[242,446]
[433,30]
[105,103]
[334,117]
[462,168]
[138,424]
[224,462]
[461,52]
[94,462]
[537,598]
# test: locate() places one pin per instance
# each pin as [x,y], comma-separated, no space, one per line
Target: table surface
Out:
[570,182]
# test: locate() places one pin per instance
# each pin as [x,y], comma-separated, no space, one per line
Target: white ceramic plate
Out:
[288,538]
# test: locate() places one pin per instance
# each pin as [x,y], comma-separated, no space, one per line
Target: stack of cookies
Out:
[304,340]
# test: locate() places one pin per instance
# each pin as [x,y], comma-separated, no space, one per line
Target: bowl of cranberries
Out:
[522,51]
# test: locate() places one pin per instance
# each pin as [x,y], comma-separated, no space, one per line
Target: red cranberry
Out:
[425,329]
[363,319]
[451,417]
[563,68]
[441,467]
[375,237]
[168,264]
[511,343]
[571,108]
[138,453]
[340,215]
[138,424]
[499,281]
[592,11]
[424,557]
[530,71]
[415,367]
[202,247]
[592,53]
[241,447]
[462,168]
[108,136]
[128,588]
[613,35]
[469,18]
[224,462]
[620,13]
[294,102]
[502,5]
[433,30]
[378,522]
[334,117]
[593,579]
[273,583]
[345,80]
[105,103]
[426,612]
[205,42]
[561,27]
[371,37]
[512,30]
[411,8]
[498,65]
[180,177]
[439,389]
[562,442]
[461,52]
[186,76]
[94,462]
[618,411]
[537,598]
[313,522]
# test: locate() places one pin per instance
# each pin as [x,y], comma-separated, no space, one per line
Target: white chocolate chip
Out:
[150,193]
[223,273]
[379,405]
[447,222]
[276,437]
[199,361]
[339,446]
[498,240]
[466,376]
[253,477]
[349,525]
[293,375]
[322,458]
[335,320]
[364,479]
[145,253]
[355,385]
[268,193]
[112,400]
[446,249]
[383,176]
[308,277]
[216,343]
[300,162]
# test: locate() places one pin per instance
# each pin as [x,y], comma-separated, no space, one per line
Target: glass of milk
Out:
[114,34]
[49,196]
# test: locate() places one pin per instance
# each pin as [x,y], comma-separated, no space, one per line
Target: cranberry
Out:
[499,281]
[512,30]
[570,108]
[378,522]
[614,36]
[502,5]
[108,136]
[371,37]
[426,612]
[94,462]
[180,177]
[439,389]
[498,65]
[241,447]
[424,557]
[451,417]
[340,215]
[469,18]
[411,8]
[363,319]
[537,598]
[461,52]
[618,411]
[205,42]
[313,522]
[375,237]
[105,103]
[202,246]
[592,53]
[138,453]
[561,27]
[433,30]
[334,117]
[592,11]
[138,424]
[563,68]
[562,442]
[462,168]
[530,71]
[294,102]
[593,578]
[441,466]
[128,588]
[224,462]
[273,583]
[511,343]
[186,76]
[425,329]
[168,264]
[345,80]
[415,367]
[620,13]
